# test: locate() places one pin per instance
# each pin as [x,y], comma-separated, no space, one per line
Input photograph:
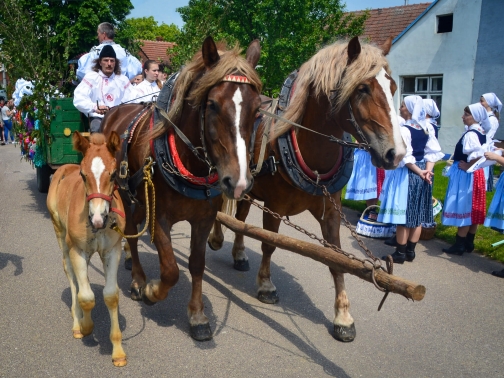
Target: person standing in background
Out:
[432,113]
[149,88]
[7,113]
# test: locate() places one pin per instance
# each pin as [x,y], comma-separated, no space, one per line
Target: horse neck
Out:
[317,151]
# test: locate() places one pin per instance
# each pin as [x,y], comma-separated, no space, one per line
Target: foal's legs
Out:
[75,309]
[111,296]
[267,291]
[79,261]
[344,327]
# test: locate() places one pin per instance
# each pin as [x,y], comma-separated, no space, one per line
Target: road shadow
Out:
[172,312]
[38,204]
[16,260]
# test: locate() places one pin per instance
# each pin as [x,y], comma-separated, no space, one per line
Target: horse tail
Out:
[228,208]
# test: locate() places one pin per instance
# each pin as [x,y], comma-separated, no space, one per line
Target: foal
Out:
[84,207]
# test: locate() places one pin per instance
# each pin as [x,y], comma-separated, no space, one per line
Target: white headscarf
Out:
[415,106]
[493,101]
[480,115]
[431,107]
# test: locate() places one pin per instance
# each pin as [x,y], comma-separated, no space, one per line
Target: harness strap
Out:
[99,195]
[265,137]
[118,212]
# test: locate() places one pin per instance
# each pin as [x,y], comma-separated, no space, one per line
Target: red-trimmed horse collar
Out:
[237,79]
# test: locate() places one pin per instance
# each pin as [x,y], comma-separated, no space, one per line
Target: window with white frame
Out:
[425,86]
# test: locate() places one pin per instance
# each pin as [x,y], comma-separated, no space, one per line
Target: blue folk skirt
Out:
[495,213]
[406,199]
[362,184]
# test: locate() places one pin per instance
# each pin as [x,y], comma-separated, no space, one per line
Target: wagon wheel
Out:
[43,178]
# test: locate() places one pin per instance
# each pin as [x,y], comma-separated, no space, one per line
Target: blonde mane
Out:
[327,72]
[193,86]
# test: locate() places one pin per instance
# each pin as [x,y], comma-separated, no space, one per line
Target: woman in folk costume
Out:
[432,113]
[465,200]
[366,180]
[148,89]
[493,106]
[406,199]
[495,215]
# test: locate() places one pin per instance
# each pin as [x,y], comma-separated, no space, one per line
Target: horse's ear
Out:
[210,53]
[387,45]
[114,143]
[354,49]
[253,53]
[80,143]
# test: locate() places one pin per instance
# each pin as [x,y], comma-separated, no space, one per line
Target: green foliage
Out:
[290,31]
[71,24]
[147,28]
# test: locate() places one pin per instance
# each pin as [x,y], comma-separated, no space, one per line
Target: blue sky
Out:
[164,11]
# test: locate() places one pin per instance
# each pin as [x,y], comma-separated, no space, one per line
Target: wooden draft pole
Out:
[327,257]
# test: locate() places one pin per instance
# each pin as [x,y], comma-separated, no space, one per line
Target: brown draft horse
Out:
[225,119]
[337,75]
[83,205]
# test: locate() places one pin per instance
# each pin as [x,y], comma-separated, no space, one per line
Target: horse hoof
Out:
[147,301]
[214,247]
[241,265]
[128,264]
[119,362]
[269,297]
[136,293]
[77,335]
[345,334]
[201,332]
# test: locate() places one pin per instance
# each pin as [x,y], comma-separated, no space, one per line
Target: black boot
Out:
[458,248]
[410,251]
[469,243]
[399,256]
[391,241]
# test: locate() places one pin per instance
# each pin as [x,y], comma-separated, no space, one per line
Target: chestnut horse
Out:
[337,79]
[216,98]
[84,206]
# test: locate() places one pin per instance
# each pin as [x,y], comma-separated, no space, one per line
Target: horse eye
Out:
[363,88]
[113,176]
[83,176]
[212,105]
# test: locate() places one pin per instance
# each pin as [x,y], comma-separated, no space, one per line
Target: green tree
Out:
[290,31]
[147,28]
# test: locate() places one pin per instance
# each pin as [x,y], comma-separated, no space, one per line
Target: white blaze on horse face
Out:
[396,128]
[97,206]
[241,149]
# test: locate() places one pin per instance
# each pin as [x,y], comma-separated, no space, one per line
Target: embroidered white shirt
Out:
[471,145]
[96,87]
[145,89]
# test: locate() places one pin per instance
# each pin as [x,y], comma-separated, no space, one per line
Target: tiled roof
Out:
[155,50]
[385,22]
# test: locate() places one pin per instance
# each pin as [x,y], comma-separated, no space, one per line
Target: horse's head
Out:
[98,171]
[370,102]
[229,110]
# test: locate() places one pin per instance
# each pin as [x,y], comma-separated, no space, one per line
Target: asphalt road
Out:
[457,330]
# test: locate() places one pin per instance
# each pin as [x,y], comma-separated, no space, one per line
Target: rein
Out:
[361,146]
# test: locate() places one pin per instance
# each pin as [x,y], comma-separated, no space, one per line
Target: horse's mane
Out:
[327,72]
[193,86]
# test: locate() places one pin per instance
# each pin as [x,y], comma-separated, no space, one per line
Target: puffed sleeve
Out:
[494,126]
[432,148]
[85,64]
[82,97]
[471,146]
[408,158]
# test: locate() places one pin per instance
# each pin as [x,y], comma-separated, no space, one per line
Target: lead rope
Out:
[147,168]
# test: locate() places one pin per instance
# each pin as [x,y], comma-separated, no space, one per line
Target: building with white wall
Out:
[453,52]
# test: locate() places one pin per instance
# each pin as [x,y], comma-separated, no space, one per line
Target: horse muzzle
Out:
[236,190]
[98,221]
